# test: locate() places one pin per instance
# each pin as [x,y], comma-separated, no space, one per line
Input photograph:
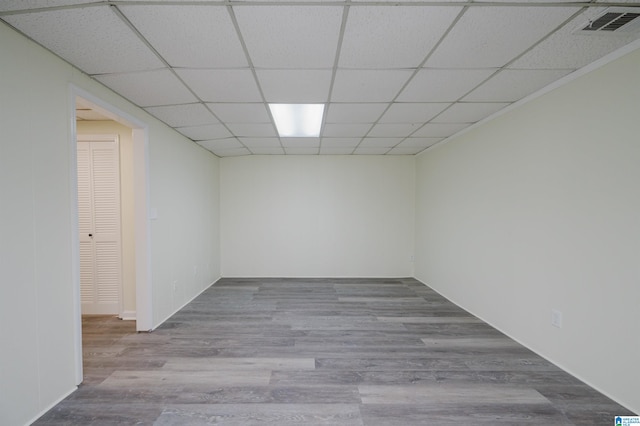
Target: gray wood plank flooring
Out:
[320,352]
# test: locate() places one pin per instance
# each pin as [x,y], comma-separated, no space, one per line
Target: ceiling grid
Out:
[395,78]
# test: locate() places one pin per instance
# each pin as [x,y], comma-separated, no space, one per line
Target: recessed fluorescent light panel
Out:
[298,120]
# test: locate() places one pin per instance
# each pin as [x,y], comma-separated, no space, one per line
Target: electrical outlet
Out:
[556,318]
[195,270]
[175,286]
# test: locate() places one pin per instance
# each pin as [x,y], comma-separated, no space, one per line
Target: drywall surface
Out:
[184,192]
[37,321]
[538,210]
[317,216]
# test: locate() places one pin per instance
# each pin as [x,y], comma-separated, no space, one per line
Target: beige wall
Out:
[37,322]
[127,205]
[317,216]
[538,210]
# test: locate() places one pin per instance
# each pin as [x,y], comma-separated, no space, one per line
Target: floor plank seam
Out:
[347,352]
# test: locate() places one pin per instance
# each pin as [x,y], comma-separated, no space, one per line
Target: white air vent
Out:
[614,20]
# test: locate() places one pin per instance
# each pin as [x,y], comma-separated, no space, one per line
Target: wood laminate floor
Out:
[320,352]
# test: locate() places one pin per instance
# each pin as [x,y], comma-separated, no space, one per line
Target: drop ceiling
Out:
[396,77]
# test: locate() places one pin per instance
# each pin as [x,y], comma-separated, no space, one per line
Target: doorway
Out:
[104,219]
[83,100]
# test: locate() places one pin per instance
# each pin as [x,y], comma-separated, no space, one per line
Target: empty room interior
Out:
[454,240]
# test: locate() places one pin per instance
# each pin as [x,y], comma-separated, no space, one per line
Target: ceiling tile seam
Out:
[336,60]
[138,34]
[400,3]
[549,34]
[566,22]
[501,69]
[498,71]
[252,68]
[23,34]
[118,73]
[53,8]
[146,42]
[333,3]
[75,67]
[415,72]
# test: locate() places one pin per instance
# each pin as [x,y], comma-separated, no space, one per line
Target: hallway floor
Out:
[320,352]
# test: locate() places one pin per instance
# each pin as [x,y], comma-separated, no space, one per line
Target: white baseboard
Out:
[128,315]
[185,304]
[560,365]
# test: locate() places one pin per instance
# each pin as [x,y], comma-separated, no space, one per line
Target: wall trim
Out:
[185,304]
[128,315]
[320,277]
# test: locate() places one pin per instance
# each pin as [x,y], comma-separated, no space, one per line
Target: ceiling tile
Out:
[279,2]
[534,1]
[183,115]
[267,150]
[394,129]
[355,113]
[222,85]
[293,47]
[370,151]
[290,36]
[412,112]
[566,50]
[295,86]
[407,1]
[141,88]
[300,142]
[347,130]
[301,151]
[512,85]
[370,142]
[212,145]
[252,129]
[241,113]
[335,151]
[440,130]
[469,112]
[340,142]
[200,133]
[7,5]
[200,37]
[392,37]
[233,152]
[94,39]
[368,85]
[436,85]
[261,142]
[492,36]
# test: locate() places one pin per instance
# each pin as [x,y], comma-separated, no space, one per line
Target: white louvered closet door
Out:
[99,225]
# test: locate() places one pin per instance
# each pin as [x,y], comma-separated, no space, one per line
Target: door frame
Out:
[140,137]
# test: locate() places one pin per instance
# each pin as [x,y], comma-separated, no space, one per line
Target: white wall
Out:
[317,216]
[37,358]
[127,204]
[539,210]
[185,251]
